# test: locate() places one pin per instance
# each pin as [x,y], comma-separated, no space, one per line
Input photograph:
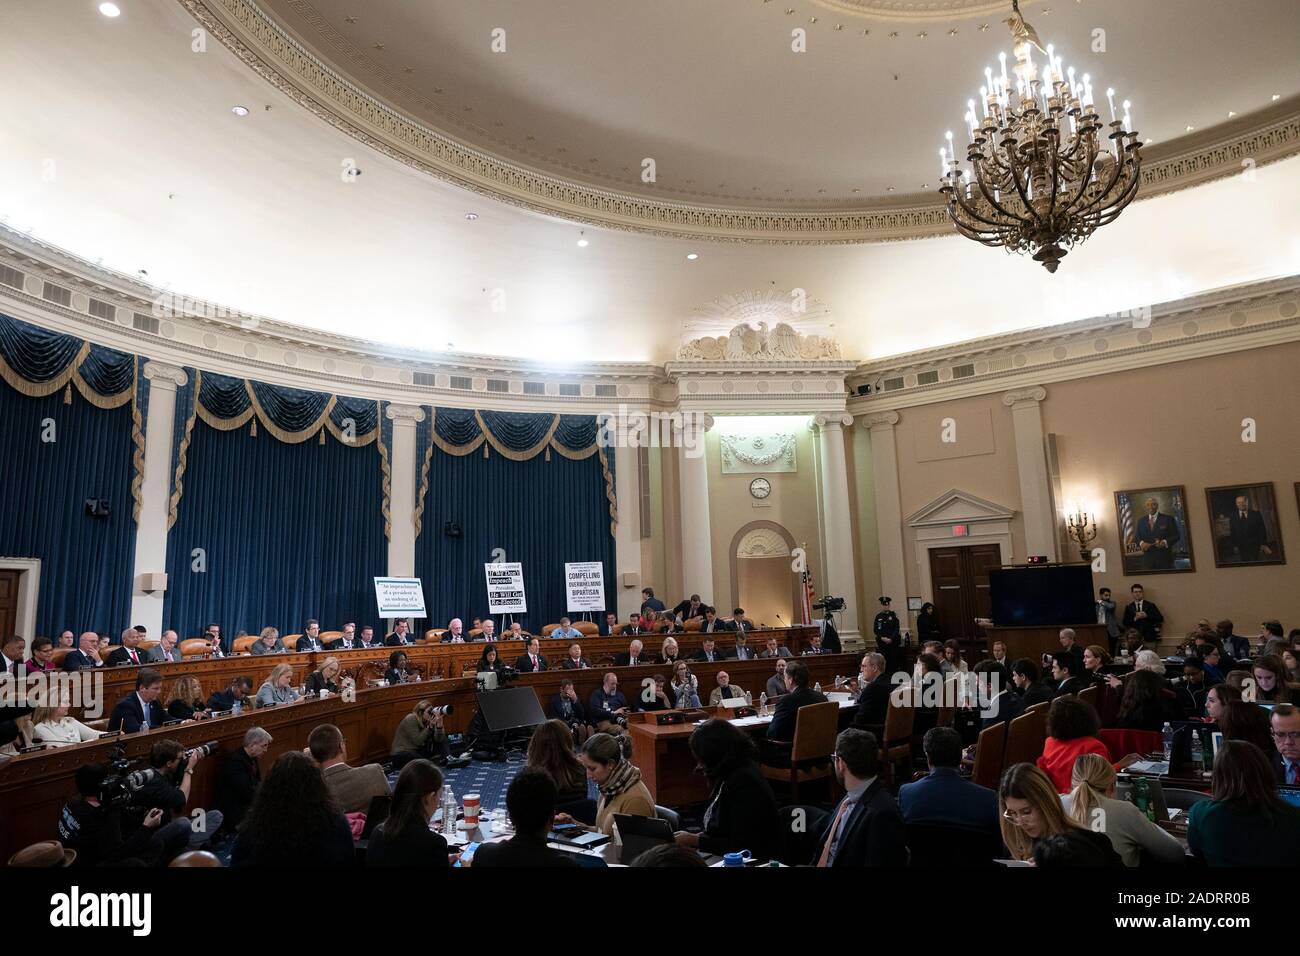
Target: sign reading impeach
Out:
[584,582]
[505,587]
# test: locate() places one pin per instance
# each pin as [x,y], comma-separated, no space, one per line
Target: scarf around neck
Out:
[621,778]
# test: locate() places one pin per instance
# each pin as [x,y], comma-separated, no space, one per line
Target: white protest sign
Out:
[399,597]
[584,583]
[505,587]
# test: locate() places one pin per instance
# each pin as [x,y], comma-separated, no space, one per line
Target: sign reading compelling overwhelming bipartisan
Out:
[505,587]
[584,581]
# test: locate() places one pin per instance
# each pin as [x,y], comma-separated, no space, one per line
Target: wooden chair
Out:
[900,718]
[194,647]
[434,635]
[589,628]
[692,625]
[814,742]
[144,647]
[59,654]
[290,642]
[1025,737]
[368,673]
[549,628]
[244,645]
[990,752]
[1090,695]
[329,637]
[474,634]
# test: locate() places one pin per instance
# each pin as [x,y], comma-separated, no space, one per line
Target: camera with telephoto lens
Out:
[122,783]
[829,604]
[443,710]
[203,750]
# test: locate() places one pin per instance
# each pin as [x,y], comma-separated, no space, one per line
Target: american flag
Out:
[1126,522]
[808,592]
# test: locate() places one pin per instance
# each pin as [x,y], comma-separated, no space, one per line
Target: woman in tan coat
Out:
[619,783]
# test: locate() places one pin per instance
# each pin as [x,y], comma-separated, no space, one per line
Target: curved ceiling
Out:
[733,117]
[127,152]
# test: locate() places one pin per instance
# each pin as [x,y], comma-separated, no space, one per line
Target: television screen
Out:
[1046,595]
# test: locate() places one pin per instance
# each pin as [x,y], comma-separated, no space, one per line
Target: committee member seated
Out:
[619,783]
[275,689]
[129,653]
[866,828]
[873,693]
[54,727]
[515,632]
[404,838]
[611,627]
[739,623]
[233,697]
[634,656]
[1245,822]
[709,652]
[369,638]
[420,735]
[530,801]
[1030,811]
[740,650]
[725,690]
[775,648]
[742,812]
[401,635]
[455,632]
[691,607]
[294,821]
[140,710]
[776,683]
[671,653]
[565,706]
[325,677]
[183,699]
[799,694]
[268,642]
[1072,728]
[399,669]
[574,661]
[712,623]
[166,651]
[487,630]
[348,640]
[533,660]
[684,688]
[814,647]
[608,707]
[86,655]
[1092,803]
[944,796]
[351,787]
[239,777]
[566,630]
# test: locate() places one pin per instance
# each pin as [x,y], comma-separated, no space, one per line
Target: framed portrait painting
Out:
[1154,531]
[1245,525]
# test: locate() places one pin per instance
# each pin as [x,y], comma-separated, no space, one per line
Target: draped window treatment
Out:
[285,499]
[536,486]
[71,424]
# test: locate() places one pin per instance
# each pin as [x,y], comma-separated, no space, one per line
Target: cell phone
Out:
[467,853]
[565,826]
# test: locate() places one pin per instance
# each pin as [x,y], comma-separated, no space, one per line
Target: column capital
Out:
[1024,396]
[880,420]
[691,421]
[833,420]
[404,414]
[162,375]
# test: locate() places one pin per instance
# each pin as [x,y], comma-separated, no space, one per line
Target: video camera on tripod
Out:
[829,604]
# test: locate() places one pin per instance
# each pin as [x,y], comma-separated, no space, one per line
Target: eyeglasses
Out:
[1018,817]
[1288,735]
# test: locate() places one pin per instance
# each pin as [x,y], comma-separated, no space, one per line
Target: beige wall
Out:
[765,592]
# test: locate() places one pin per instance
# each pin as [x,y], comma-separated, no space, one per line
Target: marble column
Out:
[155,492]
[402,484]
[697,539]
[1031,462]
[627,534]
[889,510]
[839,577]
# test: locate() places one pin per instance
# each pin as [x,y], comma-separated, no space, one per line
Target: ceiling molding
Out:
[915,10]
[266,48]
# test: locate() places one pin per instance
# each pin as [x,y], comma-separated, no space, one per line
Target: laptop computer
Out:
[1155,793]
[639,834]
[1291,795]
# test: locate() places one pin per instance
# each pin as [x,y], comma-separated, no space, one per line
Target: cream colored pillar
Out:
[155,492]
[840,573]
[627,534]
[401,495]
[1031,461]
[697,539]
[889,510]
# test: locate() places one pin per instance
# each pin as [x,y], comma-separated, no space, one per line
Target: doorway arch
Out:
[759,555]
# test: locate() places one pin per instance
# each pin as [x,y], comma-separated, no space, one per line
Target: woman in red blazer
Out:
[1072,728]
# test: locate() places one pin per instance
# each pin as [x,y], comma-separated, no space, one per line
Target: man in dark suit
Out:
[1027,678]
[944,796]
[1072,647]
[866,828]
[368,638]
[530,801]
[649,602]
[797,678]
[140,709]
[709,652]
[86,654]
[1065,673]
[128,653]
[873,693]
[533,660]
[1234,644]
[236,693]
[738,622]
[239,778]
[1285,723]
[12,669]
[1247,534]
[348,640]
[310,640]
[688,609]
[167,650]
[1143,615]
[574,661]
[611,625]
[634,656]
[712,623]
[741,651]
[401,634]
[1155,536]
[997,702]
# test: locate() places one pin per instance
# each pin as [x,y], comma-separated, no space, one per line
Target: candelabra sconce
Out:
[1083,532]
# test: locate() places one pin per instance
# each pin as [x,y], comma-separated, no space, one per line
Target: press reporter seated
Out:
[1065,676]
[608,707]
[684,688]
[532,661]
[129,653]
[1245,822]
[725,690]
[530,801]
[1092,800]
[619,783]
[140,710]
[943,796]
[655,696]
[873,689]
[420,734]
[742,810]
[351,787]
[404,839]
[566,706]
[100,834]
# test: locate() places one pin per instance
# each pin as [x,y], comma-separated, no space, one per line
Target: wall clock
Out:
[760,488]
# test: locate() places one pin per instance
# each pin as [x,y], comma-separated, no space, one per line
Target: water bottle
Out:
[749,699]
[818,687]
[762,703]
[1198,753]
[448,811]
[1167,732]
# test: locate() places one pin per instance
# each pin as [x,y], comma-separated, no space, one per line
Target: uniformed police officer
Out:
[888,636]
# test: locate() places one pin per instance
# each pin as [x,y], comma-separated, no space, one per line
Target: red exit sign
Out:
[960,530]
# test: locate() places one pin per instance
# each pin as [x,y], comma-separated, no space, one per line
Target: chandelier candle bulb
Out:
[1110,98]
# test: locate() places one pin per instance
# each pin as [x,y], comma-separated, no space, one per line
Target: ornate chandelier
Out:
[1041,177]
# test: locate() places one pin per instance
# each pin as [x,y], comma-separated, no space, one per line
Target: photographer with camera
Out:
[421,734]
[169,788]
[608,707]
[91,823]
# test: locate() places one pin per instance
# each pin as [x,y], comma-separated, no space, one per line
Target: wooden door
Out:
[9,604]
[960,577]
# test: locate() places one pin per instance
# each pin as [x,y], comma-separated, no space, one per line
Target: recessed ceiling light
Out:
[582,241]
[239,110]
[471,216]
[692,256]
[1191,129]
[110,10]
[1231,113]
[1276,97]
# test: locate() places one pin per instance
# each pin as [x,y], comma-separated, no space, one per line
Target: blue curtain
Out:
[85,562]
[540,513]
[290,531]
